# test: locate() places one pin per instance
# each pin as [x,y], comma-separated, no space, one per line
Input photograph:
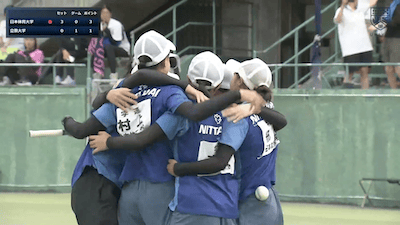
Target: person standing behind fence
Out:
[115,40]
[354,38]
[27,75]
[391,43]
[71,49]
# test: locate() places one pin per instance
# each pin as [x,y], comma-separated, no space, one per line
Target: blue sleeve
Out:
[175,99]
[106,115]
[233,134]
[173,125]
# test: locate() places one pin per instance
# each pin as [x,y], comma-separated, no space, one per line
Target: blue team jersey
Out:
[109,163]
[150,163]
[257,153]
[212,194]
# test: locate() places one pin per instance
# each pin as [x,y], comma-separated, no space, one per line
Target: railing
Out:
[295,32]
[54,65]
[176,29]
[275,69]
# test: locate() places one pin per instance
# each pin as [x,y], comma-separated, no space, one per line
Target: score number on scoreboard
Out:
[50,22]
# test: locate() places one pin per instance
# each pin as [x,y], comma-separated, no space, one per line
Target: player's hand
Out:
[66,55]
[195,94]
[254,99]
[237,112]
[99,142]
[123,98]
[4,49]
[67,122]
[371,29]
[170,166]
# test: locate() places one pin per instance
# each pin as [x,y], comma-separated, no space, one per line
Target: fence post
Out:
[174,25]
[296,60]
[88,84]
[214,28]
[54,76]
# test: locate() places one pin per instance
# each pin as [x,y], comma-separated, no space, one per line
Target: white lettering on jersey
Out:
[269,139]
[135,120]
[207,150]
[153,92]
[208,129]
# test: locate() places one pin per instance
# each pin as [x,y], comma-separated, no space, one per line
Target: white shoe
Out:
[68,81]
[6,81]
[114,76]
[58,79]
[97,76]
[24,83]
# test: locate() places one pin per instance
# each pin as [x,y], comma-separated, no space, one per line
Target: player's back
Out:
[150,163]
[257,156]
[213,194]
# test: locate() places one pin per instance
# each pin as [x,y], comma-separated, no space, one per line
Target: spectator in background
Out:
[354,37]
[71,49]
[391,43]
[8,45]
[115,42]
[23,76]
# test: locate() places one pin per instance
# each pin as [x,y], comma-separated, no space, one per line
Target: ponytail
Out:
[265,92]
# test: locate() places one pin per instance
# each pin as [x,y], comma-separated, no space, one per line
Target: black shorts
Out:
[94,199]
[364,57]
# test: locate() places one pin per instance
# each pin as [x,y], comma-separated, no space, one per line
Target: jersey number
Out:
[135,120]
[208,149]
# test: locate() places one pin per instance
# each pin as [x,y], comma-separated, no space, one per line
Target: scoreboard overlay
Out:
[52,22]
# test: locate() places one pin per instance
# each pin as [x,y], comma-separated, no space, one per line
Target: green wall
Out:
[38,161]
[333,139]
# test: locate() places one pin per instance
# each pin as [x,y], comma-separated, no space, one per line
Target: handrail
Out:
[172,8]
[346,65]
[158,16]
[309,46]
[186,25]
[305,23]
[308,74]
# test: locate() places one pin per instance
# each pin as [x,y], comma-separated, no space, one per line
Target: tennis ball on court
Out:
[262,193]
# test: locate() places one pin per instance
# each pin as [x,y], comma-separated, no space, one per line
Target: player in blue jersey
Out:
[257,151]
[194,201]
[147,170]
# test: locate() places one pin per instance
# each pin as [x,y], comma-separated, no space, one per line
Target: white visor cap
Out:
[254,72]
[228,75]
[153,45]
[206,66]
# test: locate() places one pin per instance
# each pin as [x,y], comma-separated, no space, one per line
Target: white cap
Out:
[228,75]
[206,66]
[254,72]
[153,45]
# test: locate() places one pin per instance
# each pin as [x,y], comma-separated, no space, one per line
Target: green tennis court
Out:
[43,209]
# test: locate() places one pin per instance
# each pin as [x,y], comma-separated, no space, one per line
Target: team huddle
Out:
[195,152]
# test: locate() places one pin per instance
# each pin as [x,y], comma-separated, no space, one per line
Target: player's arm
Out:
[167,126]
[156,78]
[271,116]
[100,120]
[339,13]
[201,111]
[133,142]
[211,165]
[82,130]
[233,135]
